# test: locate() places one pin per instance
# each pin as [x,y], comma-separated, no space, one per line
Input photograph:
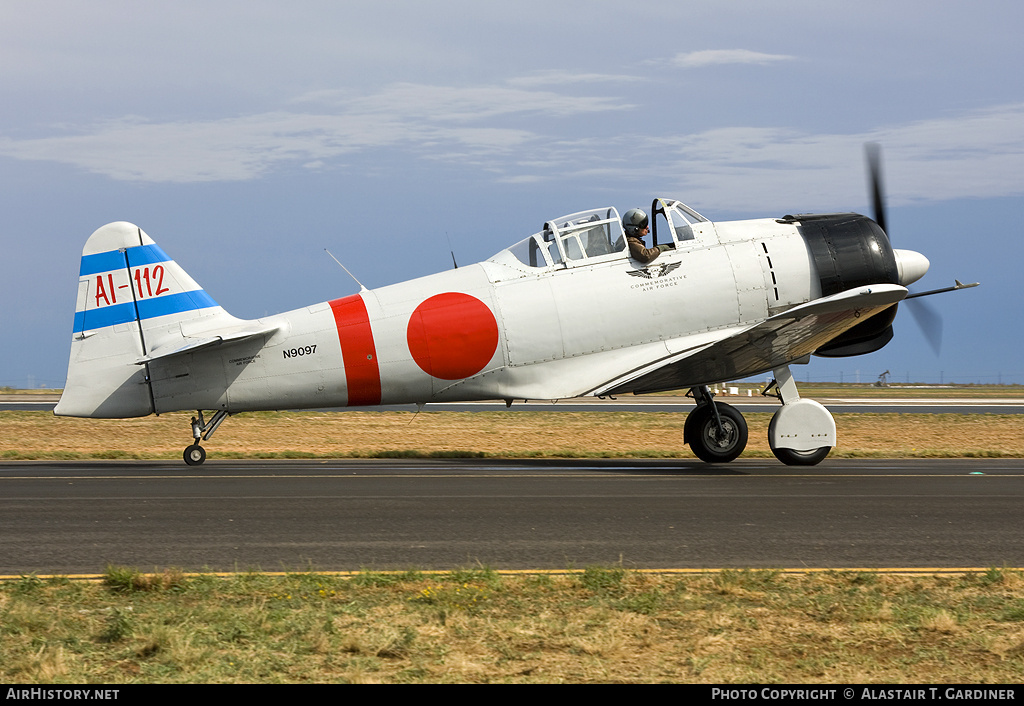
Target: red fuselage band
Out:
[362,373]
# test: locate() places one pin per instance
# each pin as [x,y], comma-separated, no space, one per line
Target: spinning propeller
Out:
[910,264]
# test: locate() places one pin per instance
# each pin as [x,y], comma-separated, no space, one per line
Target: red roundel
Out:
[452,336]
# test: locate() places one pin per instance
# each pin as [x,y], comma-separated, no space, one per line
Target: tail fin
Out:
[132,299]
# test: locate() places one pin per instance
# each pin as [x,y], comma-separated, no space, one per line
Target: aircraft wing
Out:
[778,340]
[190,344]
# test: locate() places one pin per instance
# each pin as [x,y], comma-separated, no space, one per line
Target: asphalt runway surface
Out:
[78,517]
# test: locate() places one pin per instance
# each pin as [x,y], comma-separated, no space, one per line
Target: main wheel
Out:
[194,455]
[711,444]
[792,457]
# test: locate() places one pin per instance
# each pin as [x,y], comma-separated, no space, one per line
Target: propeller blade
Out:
[929,321]
[874,156]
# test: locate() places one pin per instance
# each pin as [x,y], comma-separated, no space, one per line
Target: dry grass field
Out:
[517,434]
[601,625]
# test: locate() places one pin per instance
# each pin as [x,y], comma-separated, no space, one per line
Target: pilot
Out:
[635,223]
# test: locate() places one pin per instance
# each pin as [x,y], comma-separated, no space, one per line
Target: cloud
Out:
[445,103]
[417,118]
[758,170]
[571,78]
[976,154]
[712,57]
[519,135]
[458,104]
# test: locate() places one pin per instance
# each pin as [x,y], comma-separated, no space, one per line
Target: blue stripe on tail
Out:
[148,308]
[114,259]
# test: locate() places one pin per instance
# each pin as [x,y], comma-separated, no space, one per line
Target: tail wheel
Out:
[711,443]
[194,455]
[792,457]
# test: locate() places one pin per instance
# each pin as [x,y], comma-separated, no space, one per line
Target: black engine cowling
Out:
[850,250]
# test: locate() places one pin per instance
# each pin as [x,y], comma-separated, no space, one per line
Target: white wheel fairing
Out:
[802,425]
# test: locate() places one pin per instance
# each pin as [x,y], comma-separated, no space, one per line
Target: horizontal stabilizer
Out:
[191,344]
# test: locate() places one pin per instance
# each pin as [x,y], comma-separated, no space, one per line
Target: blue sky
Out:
[246,137]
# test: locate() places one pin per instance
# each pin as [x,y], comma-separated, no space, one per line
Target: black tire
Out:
[194,455]
[688,426]
[792,457]
[701,430]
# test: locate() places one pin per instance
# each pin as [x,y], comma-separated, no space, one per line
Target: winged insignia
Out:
[654,271]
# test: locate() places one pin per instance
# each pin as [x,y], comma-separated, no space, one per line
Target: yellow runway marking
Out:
[739,476]
[904,571]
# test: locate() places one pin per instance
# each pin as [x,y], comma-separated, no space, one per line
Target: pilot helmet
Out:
[634,221]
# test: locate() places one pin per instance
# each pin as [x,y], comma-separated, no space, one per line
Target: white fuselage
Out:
[557,331]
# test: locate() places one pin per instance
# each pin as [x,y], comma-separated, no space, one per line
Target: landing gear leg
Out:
[802,432]
[195,454]
[716,432]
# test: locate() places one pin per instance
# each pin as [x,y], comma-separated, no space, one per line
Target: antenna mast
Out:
[361,287]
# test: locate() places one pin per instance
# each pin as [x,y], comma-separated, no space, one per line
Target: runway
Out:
[655,403]
[78,517]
